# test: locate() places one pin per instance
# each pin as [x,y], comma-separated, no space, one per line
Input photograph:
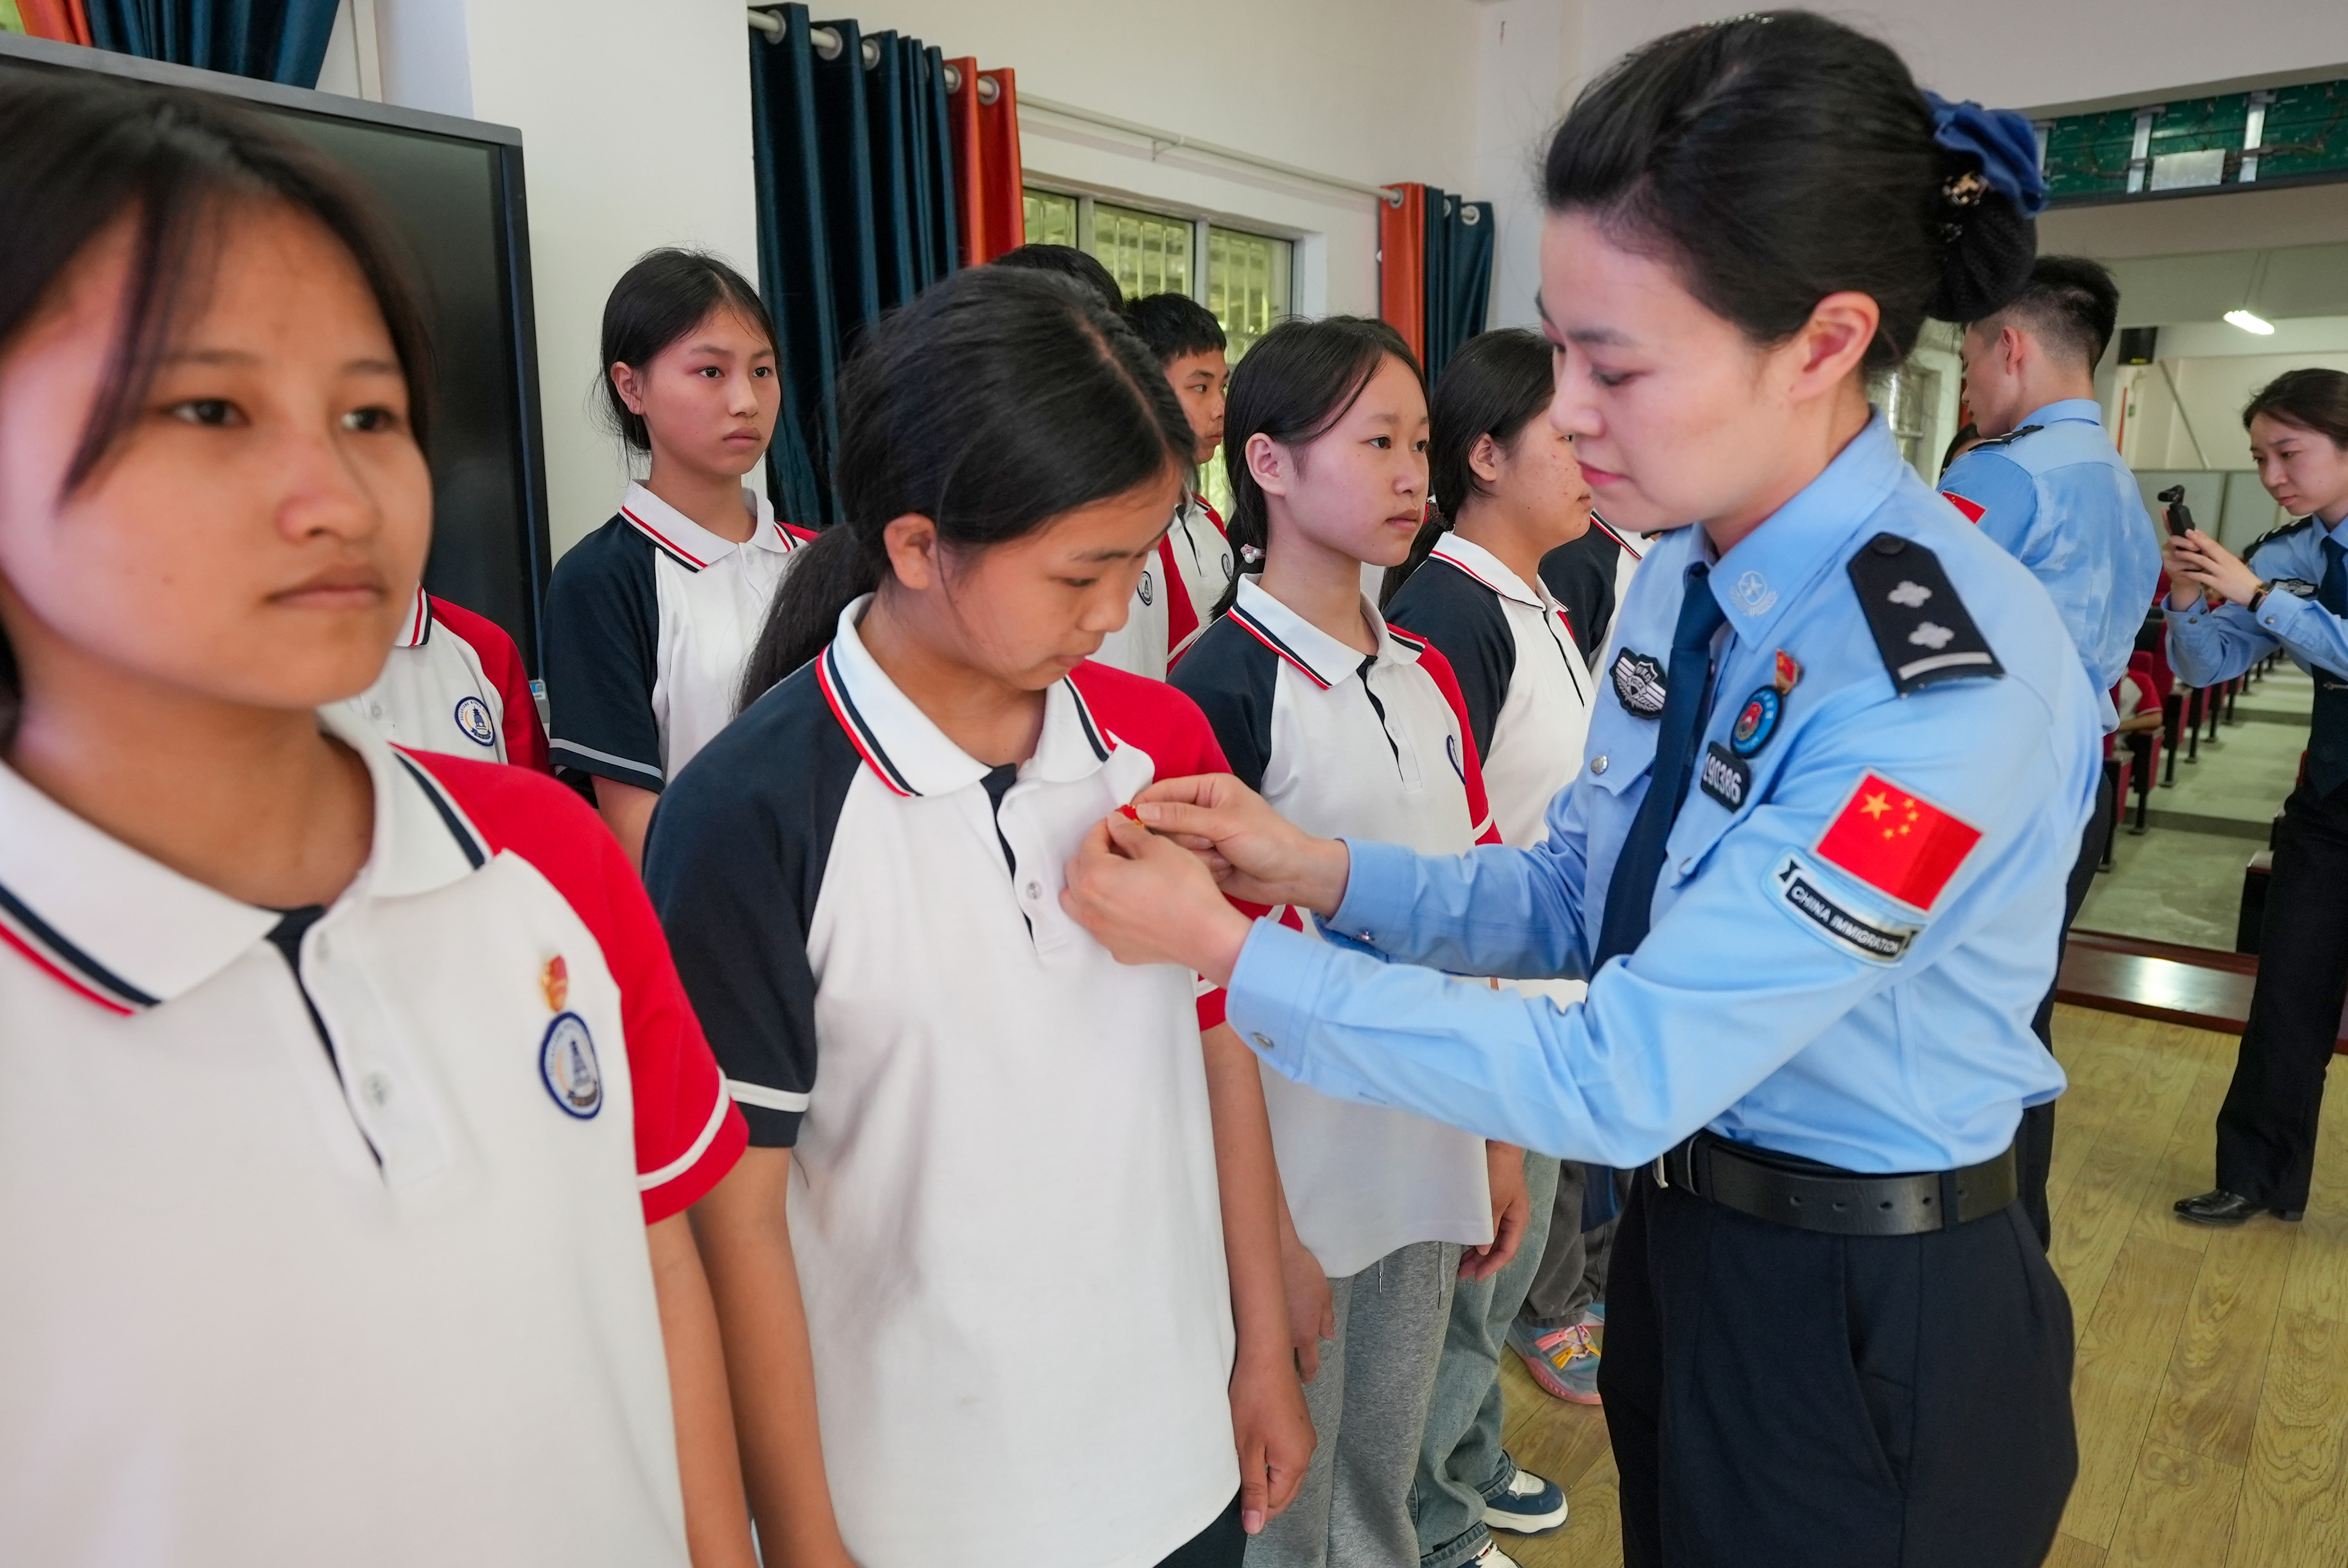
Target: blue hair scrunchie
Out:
[2005,142]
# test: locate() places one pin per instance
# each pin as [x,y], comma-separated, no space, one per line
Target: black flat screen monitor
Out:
[453,189]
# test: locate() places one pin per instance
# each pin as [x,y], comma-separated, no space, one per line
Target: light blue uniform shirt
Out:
[1740,1011]
[2208,645]
[2060,501]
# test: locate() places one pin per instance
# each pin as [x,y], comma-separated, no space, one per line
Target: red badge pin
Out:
[1973,511]
[1789,674]
[555,981]
[1896,842]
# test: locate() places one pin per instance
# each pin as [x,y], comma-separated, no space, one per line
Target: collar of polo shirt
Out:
[689,544]
[1487,569]
[416,630]
[912,756]
[130,933]
[1304,645]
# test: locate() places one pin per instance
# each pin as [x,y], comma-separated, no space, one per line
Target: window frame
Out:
[1200,220]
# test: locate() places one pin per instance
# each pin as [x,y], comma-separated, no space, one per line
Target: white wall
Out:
[635,122]
[2200,426]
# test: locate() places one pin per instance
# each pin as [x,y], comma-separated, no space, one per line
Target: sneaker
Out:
[1563,1361]
[1528,1505]
[1491,1557]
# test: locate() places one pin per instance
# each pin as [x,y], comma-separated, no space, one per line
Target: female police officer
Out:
[1813,973]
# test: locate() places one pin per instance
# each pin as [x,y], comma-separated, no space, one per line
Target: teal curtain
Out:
[1458,264]
[856,216]
[269,40]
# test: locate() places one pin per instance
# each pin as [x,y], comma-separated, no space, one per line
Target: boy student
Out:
[1176,597]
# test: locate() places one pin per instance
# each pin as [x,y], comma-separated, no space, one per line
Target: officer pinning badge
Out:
[1726,776]
[473,718]
[1638,683]
[1877,941]
[566,1057]
[1922,630]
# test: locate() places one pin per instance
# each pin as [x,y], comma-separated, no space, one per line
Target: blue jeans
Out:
[1461,1463]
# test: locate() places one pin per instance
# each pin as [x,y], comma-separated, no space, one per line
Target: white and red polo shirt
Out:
[1003,1200]
[1374,746]
[1174,600]
[1527,689]
[456,683]
[328,1238]
[649,623]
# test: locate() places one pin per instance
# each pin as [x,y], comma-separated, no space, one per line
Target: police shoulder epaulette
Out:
[1921,628]
[2008,440]
[2284,532]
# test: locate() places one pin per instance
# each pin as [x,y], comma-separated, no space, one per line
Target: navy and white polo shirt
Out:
[1004,1153]
[1376,747]
[333,1231]
[456,683]
[1176,597]
[1521,671]
[649,622]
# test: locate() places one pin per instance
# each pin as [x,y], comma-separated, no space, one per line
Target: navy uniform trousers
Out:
[2266,1129]
[1932,1411]
[2033,1145]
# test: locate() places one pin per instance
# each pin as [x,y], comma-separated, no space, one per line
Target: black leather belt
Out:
[1810,1196]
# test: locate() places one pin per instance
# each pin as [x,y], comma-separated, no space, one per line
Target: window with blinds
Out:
[1247,284]
[1051,217]
[1146,252]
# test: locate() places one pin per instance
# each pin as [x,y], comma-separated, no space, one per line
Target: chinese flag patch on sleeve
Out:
[1897,843]
[1973,510]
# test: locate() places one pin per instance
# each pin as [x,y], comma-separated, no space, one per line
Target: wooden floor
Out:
[2212,1386]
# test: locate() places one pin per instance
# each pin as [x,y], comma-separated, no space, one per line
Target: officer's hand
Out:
[2217,570]
[1259,856]
[1150,901]
[2182,562]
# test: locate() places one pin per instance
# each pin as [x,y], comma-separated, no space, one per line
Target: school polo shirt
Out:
[456,683]
[1176,597]
[351,1266]
[649,623]
[1527,690]
[1372,747]
[1002,1199]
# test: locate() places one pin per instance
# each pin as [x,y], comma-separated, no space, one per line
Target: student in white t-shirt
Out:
[1179,589]
[349,1103]
[1508,494]
[1347,725]
[649,618]
[1007,1234]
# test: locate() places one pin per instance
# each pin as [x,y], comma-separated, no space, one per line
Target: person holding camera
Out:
[2044,483]
[2289,591]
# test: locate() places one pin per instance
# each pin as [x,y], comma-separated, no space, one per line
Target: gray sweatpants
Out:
[1368,1405]
[1573,1273]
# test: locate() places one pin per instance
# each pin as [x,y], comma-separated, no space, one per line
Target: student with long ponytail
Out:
[1012,1255]
[1813,869]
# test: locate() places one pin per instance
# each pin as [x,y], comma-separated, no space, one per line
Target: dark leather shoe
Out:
[2222,1208]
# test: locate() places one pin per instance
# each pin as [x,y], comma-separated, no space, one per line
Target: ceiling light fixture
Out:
[2249,324]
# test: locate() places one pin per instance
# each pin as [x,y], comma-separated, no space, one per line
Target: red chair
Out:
[2152,676]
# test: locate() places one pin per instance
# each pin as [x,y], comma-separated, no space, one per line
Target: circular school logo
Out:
[1148,589]
[566,1060]
[473,718]
[1757,722]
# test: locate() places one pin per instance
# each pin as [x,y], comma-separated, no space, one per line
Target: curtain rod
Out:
[1169,141]
[828,44]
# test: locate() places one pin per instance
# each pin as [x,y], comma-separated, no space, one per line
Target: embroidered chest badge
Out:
[1756,721]
[473,718]
[1638,683]
[566,1056]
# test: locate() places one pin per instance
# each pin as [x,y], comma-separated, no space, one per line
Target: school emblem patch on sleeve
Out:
[1638,683]
[566,1060]
[1896,842]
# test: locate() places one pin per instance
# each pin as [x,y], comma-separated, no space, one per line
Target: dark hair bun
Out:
[1987,247]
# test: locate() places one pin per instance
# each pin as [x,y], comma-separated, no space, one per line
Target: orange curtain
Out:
[63,20]
[1402,263]
[988,176]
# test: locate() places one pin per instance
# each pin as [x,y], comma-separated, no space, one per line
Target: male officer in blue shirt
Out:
[1812,977]
[2049,488]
